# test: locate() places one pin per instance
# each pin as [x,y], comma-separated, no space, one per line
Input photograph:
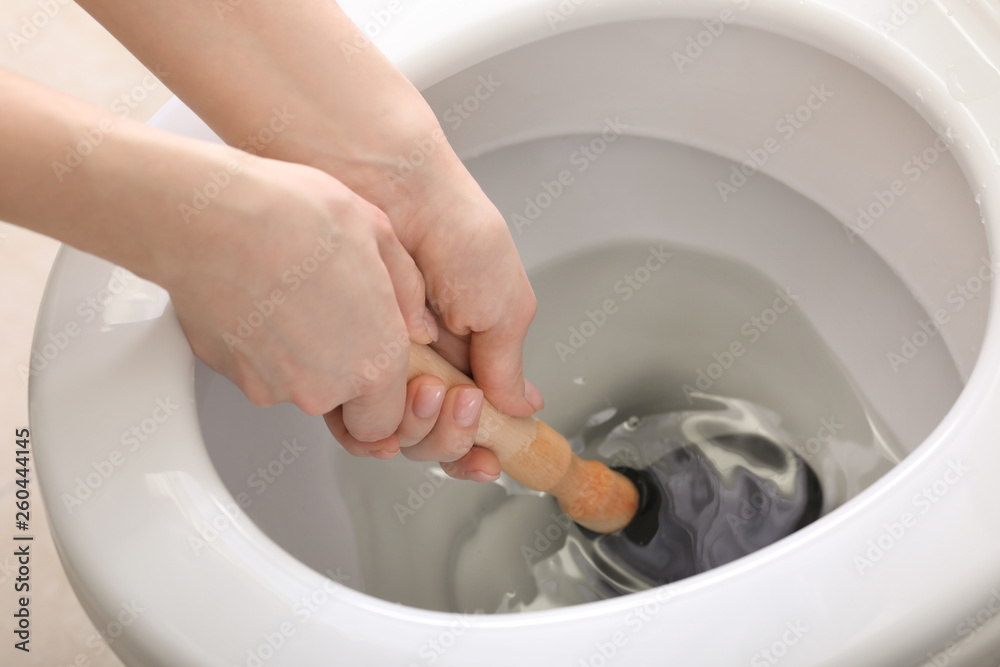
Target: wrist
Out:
[386,161]
[398,164]
[157,205]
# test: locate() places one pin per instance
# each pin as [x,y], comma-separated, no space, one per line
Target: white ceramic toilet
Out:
[841,153]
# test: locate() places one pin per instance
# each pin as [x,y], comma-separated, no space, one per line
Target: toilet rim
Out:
[902,66]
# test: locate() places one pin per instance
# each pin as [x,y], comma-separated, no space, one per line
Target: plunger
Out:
[634,502]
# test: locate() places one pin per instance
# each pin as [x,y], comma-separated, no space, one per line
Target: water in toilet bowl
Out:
[430,541]
[700,331]
[728,484]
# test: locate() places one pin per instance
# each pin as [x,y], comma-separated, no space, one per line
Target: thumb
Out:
[408,284]
[497,366]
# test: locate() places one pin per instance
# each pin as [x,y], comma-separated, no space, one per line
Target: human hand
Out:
[477,287]
[296,288]
[351,113]
[282,278]
[314,301]
[476,283]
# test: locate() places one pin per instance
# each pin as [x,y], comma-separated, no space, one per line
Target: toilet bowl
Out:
[839,155]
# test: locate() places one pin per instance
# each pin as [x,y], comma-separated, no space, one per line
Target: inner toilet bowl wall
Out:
[150,510]
[848,151]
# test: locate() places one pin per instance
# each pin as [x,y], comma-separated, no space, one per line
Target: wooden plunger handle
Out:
[534,454]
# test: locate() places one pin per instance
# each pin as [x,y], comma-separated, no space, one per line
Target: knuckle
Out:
[260,399]
[378,380]
[336,200]
[455,321]
[380,223]
[311,404]
[530,305]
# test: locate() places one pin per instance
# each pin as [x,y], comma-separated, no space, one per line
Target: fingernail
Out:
[467,406]
[383,454]
[431,324]
[480,476]
[532,395]
[428,400]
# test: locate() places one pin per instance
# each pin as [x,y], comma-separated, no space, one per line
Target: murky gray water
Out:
[429,541]
[625,327]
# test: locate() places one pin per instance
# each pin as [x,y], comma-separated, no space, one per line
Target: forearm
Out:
[349,112]
[106,185]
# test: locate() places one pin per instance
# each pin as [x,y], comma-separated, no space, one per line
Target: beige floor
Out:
[72,53]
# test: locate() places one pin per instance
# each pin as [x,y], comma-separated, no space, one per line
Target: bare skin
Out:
[395,243]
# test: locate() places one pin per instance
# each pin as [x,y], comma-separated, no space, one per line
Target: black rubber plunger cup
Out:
[693,516]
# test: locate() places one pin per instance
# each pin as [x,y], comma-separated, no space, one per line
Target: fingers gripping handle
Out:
[535,455]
